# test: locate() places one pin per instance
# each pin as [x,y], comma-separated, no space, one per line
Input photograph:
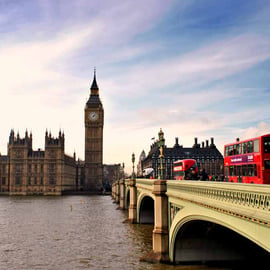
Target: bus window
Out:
[244,147]
[266,143]
[250,147]
[244,170]
[238,149]
[234,170]
[234,150]
[230,150]
[256,146]
[250,170]
[255,169]
[231,170]
[267,164]
[226,151]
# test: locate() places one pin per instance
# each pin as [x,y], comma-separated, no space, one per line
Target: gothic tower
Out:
[93,121]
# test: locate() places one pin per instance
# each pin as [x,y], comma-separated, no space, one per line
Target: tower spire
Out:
[94,87]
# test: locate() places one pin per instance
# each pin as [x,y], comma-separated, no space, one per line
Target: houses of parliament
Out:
[24,171]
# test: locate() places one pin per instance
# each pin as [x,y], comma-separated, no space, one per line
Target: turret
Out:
[26,141]
[11,137]
[51,141]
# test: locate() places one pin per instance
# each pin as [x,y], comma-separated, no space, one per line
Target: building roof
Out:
[93,100]
[180,152]
[36,154]
[94,95]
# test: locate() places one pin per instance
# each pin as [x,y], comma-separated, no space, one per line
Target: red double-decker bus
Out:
[248,161]
[186,169]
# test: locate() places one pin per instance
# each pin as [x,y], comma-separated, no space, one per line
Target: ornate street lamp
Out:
[133,160]
[160,144]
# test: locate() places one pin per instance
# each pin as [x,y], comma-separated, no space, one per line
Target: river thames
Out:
[72,232]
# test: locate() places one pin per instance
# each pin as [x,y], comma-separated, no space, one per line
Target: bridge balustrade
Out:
[242,208]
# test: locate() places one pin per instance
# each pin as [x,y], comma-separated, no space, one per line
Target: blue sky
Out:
[193,68]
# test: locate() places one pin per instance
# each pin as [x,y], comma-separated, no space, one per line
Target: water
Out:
[72,232]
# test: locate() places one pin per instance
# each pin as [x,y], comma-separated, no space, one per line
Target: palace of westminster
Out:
[24,171]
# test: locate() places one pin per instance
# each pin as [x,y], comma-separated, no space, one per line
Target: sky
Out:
[193,68]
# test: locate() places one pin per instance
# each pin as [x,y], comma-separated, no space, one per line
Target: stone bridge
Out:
[197,221]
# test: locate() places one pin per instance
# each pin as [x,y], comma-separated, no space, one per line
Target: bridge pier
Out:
[122,193]
[113,191]
[117,192]
[132,211]
[160,252]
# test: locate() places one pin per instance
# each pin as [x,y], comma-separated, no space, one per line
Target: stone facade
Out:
[24,171]
[207,156]
[94,121]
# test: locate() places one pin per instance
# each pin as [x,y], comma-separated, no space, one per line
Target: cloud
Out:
[254,131]
[215,61]
[147,78]
[37,63]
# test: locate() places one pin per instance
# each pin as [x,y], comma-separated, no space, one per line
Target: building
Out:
[140,163]
[207,156]
[94,122]
[111,173]
[24,171]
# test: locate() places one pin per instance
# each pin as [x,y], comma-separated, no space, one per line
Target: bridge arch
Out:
[127,197]
[204,237]
[145,209]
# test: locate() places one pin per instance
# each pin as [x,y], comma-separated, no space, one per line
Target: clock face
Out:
[93,116]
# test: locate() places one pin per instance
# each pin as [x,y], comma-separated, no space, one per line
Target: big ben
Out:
[94,121]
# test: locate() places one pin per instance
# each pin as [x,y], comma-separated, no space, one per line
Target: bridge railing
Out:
[242,200]
[246,202]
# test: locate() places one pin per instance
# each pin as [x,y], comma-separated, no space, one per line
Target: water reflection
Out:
[72,232]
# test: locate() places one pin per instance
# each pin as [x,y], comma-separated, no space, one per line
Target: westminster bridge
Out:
[199,220]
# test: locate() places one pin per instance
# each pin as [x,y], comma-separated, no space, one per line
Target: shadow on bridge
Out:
[203,241]
[146,213]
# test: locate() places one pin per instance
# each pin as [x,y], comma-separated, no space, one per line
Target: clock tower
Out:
[93,121]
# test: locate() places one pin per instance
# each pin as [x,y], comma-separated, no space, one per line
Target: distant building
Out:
[112,173]
[24,171]
[140,163]
[207,156]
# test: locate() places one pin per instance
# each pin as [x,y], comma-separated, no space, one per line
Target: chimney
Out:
[202,144]
[207,143]
[176,142]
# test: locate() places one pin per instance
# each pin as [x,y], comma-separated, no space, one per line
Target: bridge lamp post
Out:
[160,144]
[133,160]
